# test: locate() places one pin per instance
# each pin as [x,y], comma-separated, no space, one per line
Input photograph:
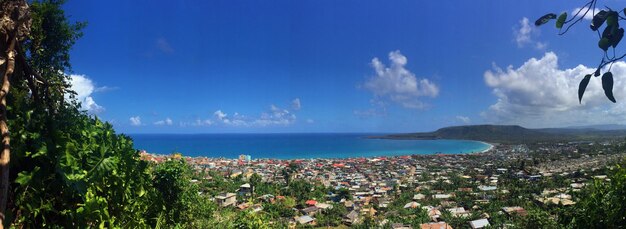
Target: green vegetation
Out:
[512,134]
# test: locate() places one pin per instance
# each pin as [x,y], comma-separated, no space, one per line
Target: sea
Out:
[297,146]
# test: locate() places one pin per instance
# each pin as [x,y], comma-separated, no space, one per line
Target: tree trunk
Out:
[5,155]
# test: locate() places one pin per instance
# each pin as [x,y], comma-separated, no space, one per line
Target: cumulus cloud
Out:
[220,115]
[540,94]
[84,88]
[274,116]
[135,121]
[524,33]
[166,121]
[463,119]
[295,104]
[397,84]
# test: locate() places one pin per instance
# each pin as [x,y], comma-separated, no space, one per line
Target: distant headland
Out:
[512,134]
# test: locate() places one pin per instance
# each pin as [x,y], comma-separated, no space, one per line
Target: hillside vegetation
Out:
[511,134]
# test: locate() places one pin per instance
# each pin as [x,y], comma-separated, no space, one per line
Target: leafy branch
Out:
[610,37]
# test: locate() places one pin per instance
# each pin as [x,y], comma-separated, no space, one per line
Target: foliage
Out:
[601,205]
[538,219]
[331,216]
[67,169]
[610,37]
[176,193]
[82,173]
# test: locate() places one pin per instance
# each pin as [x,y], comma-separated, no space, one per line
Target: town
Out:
[497,188]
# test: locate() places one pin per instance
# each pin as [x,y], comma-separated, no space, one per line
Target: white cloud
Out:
[310,121]
[135,121]
[464,119]
[295,104]
[199,122]
[84,87]
[589,14]
[539,94]
[275,116]
[220,115]
[105,89]
[166,121]
[396,83]
[524,33]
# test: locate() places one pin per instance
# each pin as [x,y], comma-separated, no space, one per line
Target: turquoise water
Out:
[296,146]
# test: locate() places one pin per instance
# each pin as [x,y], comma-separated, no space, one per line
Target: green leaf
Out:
[561,20]
[582,87]
[24,177]
[544,19]
[604,43]
[607,85]
[598,20]
[617,37]
[611,18]
[610,31]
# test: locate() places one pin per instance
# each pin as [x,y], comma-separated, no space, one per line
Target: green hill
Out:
[510,134]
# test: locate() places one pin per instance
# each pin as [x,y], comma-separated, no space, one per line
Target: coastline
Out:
[490,146]
[303,146]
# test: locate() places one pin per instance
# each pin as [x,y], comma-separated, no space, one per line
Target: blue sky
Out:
[333,66]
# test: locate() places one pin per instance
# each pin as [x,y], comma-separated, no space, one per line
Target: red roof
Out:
[311,202]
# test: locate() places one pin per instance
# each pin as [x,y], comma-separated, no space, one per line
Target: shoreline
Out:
[490,147]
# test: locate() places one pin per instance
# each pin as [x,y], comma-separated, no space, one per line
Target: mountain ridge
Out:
[511,134]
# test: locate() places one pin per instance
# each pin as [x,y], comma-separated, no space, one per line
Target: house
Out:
[514,211]
[311,202]
[479,223]
[433,213]
[349,205]
[458,212]
[310,210]
[412,204]
[351,218]
[554,200]
[245,189]
[443,196]
[419,196]
[306,220]
[323,206]
[437,225]
[486,188]
[400,226]
[226,199]
[368,211]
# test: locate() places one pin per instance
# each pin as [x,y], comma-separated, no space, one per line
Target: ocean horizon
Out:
[298,145]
